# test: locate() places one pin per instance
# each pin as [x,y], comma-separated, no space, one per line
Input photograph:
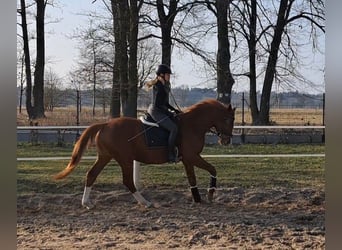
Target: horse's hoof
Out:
[196,204]
[210,194]
[146,204]
[88,205]
[210,197]
[149,205]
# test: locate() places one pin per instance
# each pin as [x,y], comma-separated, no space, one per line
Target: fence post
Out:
[243,118]
[323,109]
[34,134]
[77,113]
[323,136]
[60,139]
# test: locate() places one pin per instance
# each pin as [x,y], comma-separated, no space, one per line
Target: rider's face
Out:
[164,77]
[167,77]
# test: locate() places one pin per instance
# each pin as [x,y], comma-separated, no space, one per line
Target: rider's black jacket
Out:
[160,98]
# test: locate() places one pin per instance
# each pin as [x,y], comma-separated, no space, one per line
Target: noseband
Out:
[219,134]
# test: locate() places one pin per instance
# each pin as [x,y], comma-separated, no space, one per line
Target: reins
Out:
[174,100]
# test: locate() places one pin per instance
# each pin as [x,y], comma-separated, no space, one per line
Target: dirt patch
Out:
[237,219]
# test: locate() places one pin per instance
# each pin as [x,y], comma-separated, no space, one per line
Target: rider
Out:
[161,110]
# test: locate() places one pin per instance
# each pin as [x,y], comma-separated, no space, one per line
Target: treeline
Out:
[180,96]
[258,41]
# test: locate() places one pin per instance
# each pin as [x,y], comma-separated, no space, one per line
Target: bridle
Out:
[219,133]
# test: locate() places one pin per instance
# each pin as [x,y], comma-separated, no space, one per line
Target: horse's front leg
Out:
[201,163]
[190,173]
[212,188]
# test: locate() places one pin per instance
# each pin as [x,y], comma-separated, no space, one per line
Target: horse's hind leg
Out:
[137,174]
[92,174]
[128,181]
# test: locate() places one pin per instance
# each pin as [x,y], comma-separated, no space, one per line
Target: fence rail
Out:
[204,156]
[235,127]
[60,128]
[241,134]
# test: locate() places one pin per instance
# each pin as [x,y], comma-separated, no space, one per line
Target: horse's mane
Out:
[204,103]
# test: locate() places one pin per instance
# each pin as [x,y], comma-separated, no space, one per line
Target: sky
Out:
[62,52]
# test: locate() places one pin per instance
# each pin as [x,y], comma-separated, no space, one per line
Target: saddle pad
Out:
[156,136]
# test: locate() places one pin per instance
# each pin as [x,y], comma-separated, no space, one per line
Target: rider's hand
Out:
[178,111]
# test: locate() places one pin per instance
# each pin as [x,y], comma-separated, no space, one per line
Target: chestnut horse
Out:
[122,139]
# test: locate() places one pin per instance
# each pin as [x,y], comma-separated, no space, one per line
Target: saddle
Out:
[155,136]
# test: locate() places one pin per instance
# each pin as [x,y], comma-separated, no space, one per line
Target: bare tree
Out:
[115,105]
[121,48]
[147,57]
[52,90]
[131,105]
[20,76]
[38,88]
[126,64]
[275,43]
[126,28]
[95,56]
[284,19]
[225,79]
[166,23]
[25,36]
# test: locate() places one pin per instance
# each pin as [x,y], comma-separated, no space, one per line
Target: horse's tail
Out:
[86,138]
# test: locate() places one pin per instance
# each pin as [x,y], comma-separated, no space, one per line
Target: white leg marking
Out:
[85,199]
[137,195]
[136,174]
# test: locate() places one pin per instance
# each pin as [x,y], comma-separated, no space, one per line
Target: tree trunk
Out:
[115,99]
[225,79]
[166,23]
[29,107]
[252,65]
[284,9]
[38,88]
[22,62]
[132,62]
[123,57]
[94,77]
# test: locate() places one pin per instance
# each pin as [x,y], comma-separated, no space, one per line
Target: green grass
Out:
[36,176]
[49,150]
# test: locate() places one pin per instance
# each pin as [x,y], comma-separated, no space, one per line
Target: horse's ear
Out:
[229,107]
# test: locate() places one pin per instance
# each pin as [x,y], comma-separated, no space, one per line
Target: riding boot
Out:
[173,154]
[173,151]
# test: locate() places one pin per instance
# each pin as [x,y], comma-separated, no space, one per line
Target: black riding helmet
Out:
[163,69]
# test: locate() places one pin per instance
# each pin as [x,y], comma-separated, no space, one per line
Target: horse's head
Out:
[208,114]
[224,125]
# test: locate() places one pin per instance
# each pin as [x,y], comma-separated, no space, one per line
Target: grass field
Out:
[302,172]
[67,117]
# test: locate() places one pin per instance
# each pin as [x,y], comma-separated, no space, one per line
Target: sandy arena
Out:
[237,219]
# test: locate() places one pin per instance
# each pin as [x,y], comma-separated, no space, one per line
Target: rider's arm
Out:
[160,96]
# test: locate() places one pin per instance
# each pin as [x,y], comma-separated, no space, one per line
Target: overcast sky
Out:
[62,52]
